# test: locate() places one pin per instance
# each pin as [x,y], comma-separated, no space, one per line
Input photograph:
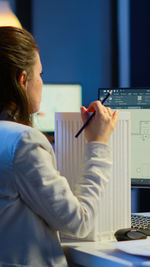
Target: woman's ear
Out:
[23,79]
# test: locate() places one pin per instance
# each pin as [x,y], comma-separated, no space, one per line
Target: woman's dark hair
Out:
[17,54]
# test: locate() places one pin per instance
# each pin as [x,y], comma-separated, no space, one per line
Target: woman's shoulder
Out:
[14,135]
[15,129]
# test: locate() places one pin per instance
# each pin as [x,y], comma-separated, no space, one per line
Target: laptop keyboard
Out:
[140,222]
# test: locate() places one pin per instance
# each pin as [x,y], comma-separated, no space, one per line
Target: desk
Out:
[105,254]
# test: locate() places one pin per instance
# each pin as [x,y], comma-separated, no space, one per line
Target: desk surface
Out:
[105,254]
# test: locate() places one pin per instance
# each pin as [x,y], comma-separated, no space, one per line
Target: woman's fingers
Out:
[102,124]
[115,117]
[109,110]
[84,114]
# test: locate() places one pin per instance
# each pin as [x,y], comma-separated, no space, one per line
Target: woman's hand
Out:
[101,125]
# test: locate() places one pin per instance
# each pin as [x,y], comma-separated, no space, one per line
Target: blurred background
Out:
[100,43]
[84,42]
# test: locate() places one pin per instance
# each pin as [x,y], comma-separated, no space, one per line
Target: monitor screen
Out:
[57,98]
[137,101]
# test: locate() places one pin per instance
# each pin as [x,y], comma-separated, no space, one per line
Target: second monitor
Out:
[137,101]
[57,98]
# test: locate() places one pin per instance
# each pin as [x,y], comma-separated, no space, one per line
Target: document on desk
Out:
[135,247]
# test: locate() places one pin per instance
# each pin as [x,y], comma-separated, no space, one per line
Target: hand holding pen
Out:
[103,123]
[88,120]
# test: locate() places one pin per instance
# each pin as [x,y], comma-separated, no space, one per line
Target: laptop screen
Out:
[137,102]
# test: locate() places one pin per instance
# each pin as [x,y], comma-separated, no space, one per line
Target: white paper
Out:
[135,247]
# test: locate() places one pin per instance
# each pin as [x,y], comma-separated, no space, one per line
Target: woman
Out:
[35,200]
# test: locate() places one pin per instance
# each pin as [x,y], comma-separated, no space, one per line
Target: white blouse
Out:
[36,201]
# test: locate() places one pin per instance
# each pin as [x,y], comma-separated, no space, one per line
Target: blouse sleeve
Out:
[48,194]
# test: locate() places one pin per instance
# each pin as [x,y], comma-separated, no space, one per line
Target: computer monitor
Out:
[137,101]
[57,98]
